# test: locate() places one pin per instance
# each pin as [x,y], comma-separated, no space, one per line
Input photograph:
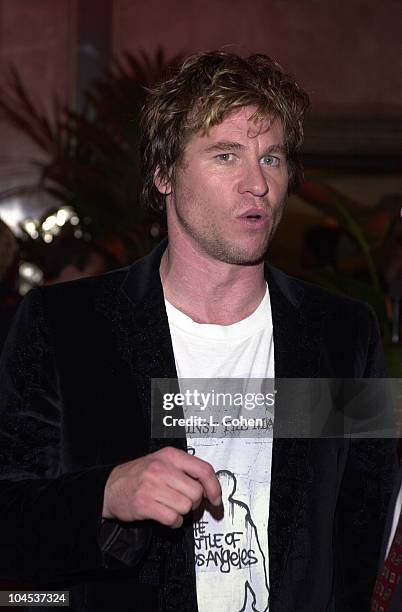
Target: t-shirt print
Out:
[232,569]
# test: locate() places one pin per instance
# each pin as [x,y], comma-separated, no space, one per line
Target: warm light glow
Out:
[47,237]
[30,272]
[26,270]
[49,223]
[13,214]
[29,226]
[63,214]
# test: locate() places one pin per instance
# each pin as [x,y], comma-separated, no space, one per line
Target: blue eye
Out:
[270,160]
[225,157]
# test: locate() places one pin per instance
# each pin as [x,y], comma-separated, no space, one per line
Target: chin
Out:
[238,256]
[250,260]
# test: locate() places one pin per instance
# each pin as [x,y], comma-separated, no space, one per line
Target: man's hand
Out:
[162,486]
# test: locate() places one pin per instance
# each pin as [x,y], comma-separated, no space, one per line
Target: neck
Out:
[211,291]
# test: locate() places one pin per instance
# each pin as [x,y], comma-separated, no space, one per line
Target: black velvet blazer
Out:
[75,401]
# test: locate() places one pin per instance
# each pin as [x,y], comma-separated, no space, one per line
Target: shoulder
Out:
[347,329]
[83,287]
[71,307]
[307,296]
[81,296]
[134,282]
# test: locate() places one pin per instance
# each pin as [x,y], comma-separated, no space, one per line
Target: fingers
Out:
[197,469]
[165,515]
[163,486]
[189,489]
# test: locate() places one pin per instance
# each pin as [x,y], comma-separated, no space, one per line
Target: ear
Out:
[163,185]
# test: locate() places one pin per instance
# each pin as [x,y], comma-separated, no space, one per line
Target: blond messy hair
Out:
[201,93]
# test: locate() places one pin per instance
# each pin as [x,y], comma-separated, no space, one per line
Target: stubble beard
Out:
[217,247]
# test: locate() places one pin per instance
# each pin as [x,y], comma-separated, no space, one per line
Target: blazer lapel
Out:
[296,329]
[148,332]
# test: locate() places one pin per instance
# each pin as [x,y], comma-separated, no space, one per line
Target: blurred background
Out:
[72,77]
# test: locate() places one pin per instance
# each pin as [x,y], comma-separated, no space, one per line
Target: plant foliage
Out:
[89,158]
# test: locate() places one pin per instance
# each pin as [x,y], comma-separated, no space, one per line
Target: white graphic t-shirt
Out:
[231,542]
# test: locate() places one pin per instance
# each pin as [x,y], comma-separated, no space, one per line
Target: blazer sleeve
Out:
[50,519]
[365,492]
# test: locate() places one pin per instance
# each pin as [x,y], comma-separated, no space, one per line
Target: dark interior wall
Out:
[345,52]
[36,37]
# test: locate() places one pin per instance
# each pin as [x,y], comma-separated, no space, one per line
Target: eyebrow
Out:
[237,146]
[224,145]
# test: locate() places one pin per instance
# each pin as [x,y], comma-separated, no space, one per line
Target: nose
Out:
[254,180]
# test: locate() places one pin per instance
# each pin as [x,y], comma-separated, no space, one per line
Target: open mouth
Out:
[254,214]
[254,219]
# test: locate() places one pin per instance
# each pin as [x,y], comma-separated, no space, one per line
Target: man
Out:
[89,498]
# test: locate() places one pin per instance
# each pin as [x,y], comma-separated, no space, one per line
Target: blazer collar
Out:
[291,312]
[143,287]
[147,335]
[297,320]
[143,280]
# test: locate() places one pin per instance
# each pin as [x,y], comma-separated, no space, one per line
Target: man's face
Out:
[228,192]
